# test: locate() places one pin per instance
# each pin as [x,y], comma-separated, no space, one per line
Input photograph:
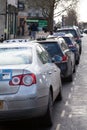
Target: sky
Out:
[82,10]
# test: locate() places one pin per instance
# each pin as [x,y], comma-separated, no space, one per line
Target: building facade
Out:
[8,18]
[31,14]
[2,16]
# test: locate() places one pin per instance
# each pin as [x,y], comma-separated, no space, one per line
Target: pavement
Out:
[38,35]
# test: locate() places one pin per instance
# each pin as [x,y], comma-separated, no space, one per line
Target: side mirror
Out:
[56,58]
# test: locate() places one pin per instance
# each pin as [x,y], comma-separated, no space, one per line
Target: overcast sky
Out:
[82,10]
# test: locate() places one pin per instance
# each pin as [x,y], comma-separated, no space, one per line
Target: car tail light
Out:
[65,58]
[77,38]
[25,79]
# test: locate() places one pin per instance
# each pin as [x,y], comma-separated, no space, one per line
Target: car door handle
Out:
[55,70]
[49,72]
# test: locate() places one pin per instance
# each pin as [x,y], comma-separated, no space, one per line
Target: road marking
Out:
[77,70]
[69,95]
[63,113]
[70,115]
[66,104]
[71,89]
[73,83]
[58,127]
[74,78]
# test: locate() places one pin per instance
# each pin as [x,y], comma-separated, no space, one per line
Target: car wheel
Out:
[48,116]
[59,96]
[77,62]
[70,78]
[74,70]
[80,50]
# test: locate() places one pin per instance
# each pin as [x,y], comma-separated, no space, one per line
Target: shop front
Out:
[11,19]
[42,24]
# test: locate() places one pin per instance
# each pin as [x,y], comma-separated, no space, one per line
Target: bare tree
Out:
[48,7]
[71,18]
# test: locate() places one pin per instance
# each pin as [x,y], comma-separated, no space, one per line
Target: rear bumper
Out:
[23,114]
[22,109]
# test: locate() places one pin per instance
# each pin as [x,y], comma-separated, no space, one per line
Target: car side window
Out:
[78,32]
[63,45]
[43,55]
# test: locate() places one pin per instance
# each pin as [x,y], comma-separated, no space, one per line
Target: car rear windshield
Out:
[53,48]
[15,56]
[68,41]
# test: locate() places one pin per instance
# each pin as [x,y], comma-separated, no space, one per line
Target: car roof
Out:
[18,44]
[51,36]
[69,35]
[65,29]
[69,27]
[50,39]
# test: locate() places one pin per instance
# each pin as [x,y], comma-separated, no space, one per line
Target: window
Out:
[68,40]
[52,48]
[29,14]
[37,14]
[63,45]
[15,56]
[43,55]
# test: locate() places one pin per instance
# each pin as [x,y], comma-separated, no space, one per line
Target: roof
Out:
[19,44]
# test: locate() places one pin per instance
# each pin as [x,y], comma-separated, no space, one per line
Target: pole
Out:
[5,22]
[63,21]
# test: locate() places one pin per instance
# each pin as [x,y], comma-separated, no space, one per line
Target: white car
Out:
[29,82]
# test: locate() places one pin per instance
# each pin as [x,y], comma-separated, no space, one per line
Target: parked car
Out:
[29,82]
[74,30]
[85,31]
[61,54]
[72,46]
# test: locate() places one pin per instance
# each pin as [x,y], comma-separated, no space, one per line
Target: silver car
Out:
[29,82]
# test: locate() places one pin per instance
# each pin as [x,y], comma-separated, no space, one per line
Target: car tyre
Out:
[74,69]
[70,77]
[80,50]
[48,117]
[59,96]
[77,62]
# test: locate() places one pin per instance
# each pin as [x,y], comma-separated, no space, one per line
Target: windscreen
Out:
[68,40]
[15,56]
[53,48]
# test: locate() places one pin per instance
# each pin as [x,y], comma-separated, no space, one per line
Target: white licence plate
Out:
[6,76]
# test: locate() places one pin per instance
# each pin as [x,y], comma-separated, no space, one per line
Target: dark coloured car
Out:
[85,31]
[73,47]
[61,55]
[75,32]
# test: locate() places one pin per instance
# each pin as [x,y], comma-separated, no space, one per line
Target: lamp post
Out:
[63,21]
